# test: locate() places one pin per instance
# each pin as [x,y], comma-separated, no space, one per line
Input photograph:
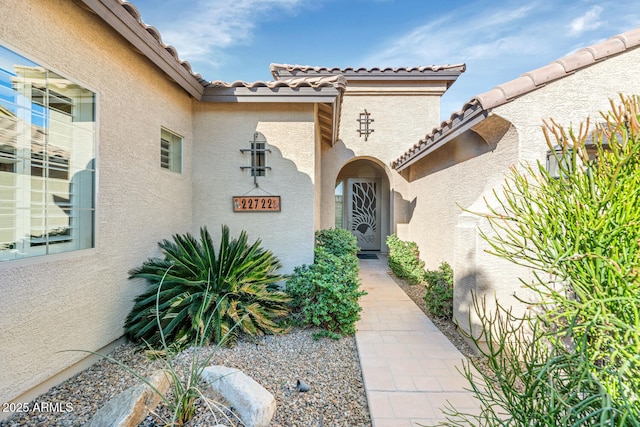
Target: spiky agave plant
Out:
[236,284]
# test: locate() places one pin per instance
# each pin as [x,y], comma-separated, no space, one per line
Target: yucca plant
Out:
[235,284]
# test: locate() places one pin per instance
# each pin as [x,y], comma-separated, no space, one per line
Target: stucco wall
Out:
[222,130]
[79,300]
[455,177]
[398,118]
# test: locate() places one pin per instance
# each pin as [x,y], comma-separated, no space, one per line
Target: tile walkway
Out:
[408,365]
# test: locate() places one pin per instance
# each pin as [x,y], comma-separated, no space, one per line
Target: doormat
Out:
[367,256]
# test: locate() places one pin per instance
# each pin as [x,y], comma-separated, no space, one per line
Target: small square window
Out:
[171,151]
[258,152]
[258,160]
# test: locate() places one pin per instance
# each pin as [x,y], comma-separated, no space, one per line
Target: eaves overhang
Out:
[301,90]
[470,116]
[124,18]
[480,106]
[324,92]
[446,73]
[265,94]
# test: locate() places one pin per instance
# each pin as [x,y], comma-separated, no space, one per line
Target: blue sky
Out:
[498,40]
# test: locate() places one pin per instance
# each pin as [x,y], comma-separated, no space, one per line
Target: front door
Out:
[363,211]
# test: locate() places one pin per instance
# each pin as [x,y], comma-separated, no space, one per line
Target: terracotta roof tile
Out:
[275,68]
[579,59]
[517,87]
[428,72]
[606,48]
[294,83]
[559,69]
[546,74]
[526,83]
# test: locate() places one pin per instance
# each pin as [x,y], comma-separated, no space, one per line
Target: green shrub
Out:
[326,293]
[439,296]
[580,363]
[404,260]
[337,241]
[238,285]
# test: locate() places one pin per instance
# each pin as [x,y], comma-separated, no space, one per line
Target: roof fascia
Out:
[265,94]
[128,27]
[462,124]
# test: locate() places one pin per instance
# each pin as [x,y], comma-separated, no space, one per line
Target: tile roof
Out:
[446,73]
[291,76]
[527,82]
[135,13]
[156,43]
[280,70]
[338,82]
[301,89]
[314,82]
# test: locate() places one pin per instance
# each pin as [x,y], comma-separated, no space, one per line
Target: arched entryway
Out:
[362,202]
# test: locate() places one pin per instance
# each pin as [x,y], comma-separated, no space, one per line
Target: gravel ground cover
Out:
[336,398]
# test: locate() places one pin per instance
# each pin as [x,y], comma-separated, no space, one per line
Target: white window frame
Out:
[171,151]
[57,159]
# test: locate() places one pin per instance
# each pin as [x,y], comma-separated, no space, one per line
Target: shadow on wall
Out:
[403,208]
[477,294]
[481,139]
[465,289]
[288,233]
[462,148]
[339,149]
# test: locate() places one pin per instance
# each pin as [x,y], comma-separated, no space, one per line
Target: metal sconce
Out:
[365,120]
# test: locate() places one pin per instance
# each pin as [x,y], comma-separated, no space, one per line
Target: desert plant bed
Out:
[331,367]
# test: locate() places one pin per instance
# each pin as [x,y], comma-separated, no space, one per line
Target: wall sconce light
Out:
[365,121]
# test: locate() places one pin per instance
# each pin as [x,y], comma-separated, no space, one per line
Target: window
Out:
[47,161]
[258,160]
[339,223]
[170,151]
[258,152]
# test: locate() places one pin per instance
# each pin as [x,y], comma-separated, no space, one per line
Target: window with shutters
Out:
[170,151]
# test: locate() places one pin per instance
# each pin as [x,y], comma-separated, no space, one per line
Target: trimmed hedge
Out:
[404,260]
[439,296]
[326,293]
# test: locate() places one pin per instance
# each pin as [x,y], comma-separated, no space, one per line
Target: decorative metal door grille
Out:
[363,211]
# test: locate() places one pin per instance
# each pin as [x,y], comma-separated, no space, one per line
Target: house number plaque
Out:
[256,203]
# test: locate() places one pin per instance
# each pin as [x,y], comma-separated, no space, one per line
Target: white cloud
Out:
[459,37]
[587,22]
[201,33]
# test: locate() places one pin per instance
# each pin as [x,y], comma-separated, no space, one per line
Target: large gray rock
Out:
[253,403]
[131,407]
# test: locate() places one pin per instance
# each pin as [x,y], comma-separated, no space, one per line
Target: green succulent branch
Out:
[574,359]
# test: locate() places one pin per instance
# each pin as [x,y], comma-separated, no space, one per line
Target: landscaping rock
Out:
[253,403]
[130,408]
